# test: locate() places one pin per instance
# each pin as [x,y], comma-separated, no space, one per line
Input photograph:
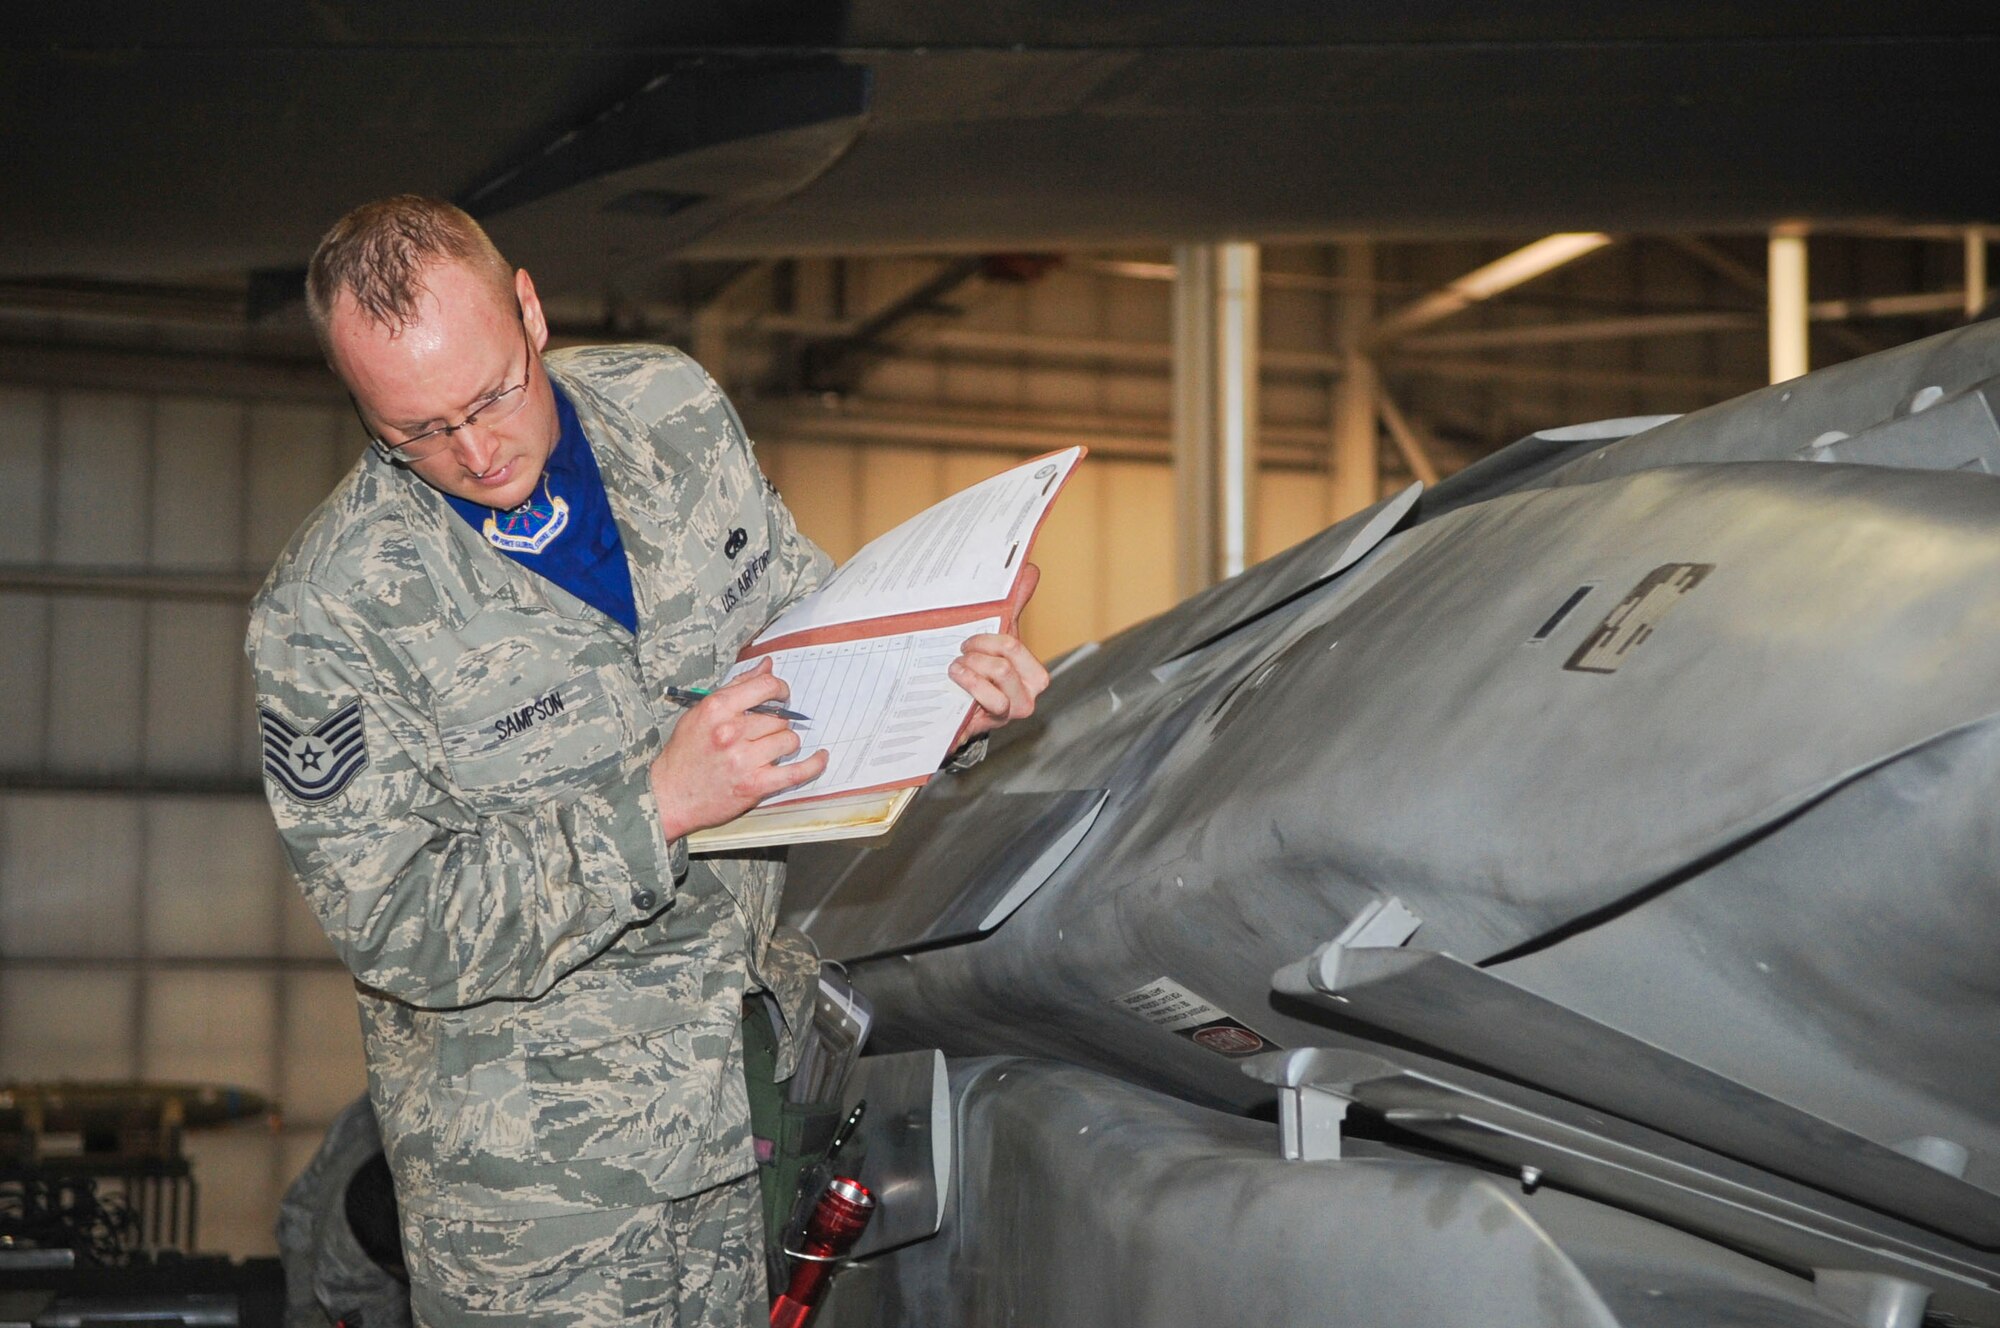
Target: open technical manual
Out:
[867,656]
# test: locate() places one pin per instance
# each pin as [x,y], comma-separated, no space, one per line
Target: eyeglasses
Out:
[489,411]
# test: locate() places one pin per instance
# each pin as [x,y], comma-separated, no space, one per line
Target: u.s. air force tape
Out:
[319,762]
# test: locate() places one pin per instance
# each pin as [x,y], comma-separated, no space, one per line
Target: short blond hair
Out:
[377,254]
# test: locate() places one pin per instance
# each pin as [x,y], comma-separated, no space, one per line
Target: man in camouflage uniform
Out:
[484,791]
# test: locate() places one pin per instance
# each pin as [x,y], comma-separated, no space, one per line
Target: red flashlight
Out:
[837,1220]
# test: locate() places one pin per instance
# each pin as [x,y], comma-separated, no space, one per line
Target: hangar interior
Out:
[159,444]
[1661,986]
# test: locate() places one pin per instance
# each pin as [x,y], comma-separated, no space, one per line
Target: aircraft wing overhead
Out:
[170,140]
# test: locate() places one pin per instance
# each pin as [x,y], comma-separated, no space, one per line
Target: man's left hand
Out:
[1003,678]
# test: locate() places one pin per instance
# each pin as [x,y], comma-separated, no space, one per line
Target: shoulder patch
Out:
[319,762]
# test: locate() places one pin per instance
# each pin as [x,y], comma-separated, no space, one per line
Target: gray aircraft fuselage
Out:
[1624,810]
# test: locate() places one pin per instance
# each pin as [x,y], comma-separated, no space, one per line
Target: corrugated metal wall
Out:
[1107,550]
[156,934]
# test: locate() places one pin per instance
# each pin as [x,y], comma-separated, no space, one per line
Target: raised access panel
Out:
[938,877]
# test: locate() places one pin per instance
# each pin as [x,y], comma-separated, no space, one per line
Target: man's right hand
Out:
[721,761]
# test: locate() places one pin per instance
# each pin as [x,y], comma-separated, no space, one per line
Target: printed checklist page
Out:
[965,550]
[885,709]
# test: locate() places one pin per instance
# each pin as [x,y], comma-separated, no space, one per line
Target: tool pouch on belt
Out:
[791,1137]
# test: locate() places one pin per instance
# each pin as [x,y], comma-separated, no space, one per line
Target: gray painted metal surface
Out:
[903,1146]
[1085,1201]
[1482,1019]
[876,903]
[1559,1143]
[1682,748]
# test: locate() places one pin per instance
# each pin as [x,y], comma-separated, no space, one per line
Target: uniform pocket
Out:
[476,1099]
[637,1073]
[557,741]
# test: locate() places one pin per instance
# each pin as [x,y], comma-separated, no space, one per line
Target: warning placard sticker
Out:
[1173,1007]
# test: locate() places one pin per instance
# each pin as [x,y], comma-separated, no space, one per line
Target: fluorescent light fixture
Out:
[1502,274]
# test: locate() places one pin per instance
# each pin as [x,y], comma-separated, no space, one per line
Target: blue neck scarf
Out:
[565,532]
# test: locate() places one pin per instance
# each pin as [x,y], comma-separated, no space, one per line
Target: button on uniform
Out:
[644,899]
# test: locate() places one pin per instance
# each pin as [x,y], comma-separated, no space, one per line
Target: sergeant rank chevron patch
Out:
[317,764]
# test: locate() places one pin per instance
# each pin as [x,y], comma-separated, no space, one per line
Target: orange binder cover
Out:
[1033,488]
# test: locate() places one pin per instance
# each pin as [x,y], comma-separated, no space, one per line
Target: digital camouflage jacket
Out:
[456,754]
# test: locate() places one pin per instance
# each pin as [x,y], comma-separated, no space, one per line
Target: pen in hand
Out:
[688,696]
